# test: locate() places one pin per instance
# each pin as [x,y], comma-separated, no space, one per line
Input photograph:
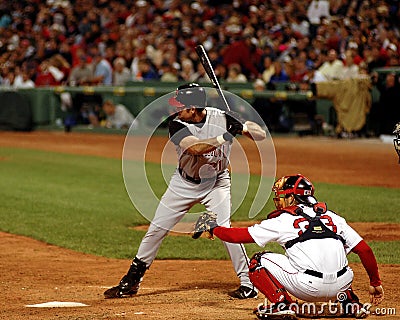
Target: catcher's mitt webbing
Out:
[205,224]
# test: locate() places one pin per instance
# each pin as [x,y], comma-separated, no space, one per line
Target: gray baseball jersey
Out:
[209,164]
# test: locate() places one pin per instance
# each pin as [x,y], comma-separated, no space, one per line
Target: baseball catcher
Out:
[315,267]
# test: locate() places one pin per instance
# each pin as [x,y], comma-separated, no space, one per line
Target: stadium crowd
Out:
[110,42]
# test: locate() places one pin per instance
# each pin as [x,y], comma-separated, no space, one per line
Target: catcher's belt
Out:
[321,275]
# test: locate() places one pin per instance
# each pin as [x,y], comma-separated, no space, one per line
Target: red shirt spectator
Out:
[44,78]
[240,52]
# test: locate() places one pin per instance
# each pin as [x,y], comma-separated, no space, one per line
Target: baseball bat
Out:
[205,61]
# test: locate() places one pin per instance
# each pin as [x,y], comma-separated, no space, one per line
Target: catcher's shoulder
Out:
[276,213]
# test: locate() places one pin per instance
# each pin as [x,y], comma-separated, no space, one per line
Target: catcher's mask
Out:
[396,140]
[293,189]
[188,95]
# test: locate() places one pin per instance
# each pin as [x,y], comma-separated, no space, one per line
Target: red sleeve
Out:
[233,235]
[363,250]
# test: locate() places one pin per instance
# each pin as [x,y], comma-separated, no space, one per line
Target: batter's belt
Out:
[321,275]
[185,176]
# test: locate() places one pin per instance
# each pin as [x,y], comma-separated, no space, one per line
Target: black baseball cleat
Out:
[118,292]
[244,292]
[129,284]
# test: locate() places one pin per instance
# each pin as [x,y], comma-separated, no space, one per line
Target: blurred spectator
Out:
[392,55]
[280,74]
[314,76]
[221,71]
[170,73]
[332,69]
[121,74]
[146,71]
[60,68]
[240,52]
[82,73]
[235,74]
[353,47]
[376,58]
[22,80]
[316,10]
[300,24]
[187,70]
[102,72]
[7,76]
[157,31]
[45,77]
[350,69]
[117,115]
[269,69]
[300,69]
[200,75]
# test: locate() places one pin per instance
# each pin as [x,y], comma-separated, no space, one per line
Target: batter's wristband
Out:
[245,129]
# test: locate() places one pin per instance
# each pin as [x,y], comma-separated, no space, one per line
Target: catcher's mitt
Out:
[205,223]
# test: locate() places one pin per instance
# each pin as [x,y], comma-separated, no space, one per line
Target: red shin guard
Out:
[264,281]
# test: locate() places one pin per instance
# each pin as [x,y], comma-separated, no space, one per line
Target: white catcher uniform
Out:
[198,179]
[326,256]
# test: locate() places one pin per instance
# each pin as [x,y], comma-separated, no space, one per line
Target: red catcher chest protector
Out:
[316,228]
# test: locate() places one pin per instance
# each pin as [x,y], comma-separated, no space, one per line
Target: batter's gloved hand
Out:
[235,122]
[206,224]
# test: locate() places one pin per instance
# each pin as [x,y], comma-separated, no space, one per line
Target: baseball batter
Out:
[203,137]
[316,240]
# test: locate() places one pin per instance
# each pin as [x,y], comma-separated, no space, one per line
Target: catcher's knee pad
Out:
[264,281]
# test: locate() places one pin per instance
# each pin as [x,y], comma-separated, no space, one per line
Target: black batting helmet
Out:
[187,95]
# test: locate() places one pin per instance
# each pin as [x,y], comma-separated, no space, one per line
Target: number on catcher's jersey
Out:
[303,224]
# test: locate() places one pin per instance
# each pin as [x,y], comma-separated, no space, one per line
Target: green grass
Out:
[80,202]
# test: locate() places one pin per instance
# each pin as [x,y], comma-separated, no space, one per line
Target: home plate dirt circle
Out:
[57,304]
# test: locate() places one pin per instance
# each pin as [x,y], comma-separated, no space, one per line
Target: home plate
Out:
[57,304]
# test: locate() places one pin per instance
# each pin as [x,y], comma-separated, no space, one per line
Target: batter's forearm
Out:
[198,147]
[203,146]
[254,131]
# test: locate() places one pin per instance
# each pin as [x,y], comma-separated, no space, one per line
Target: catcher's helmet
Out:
[289,189]
[188,95]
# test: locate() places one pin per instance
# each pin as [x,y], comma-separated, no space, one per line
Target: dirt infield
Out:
[34,272]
